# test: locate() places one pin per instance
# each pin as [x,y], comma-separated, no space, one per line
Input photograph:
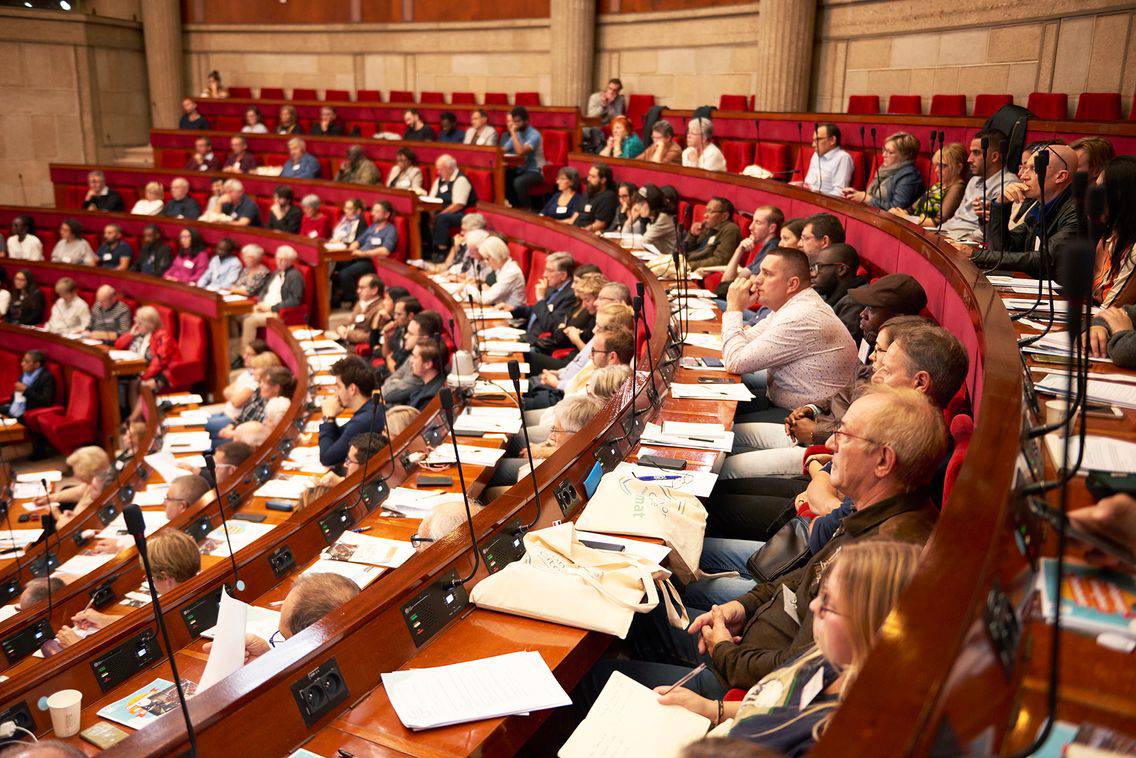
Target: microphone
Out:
[47,521]
[446,398]
[515,377]
[476,327]
[370,497]
[985,149]
[136,526]
[876,163]
[454,335]
[651,391]
[211,465]
[861,136]
[942,183]
[798,169]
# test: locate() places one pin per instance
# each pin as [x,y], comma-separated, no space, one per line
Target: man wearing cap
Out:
[891,295]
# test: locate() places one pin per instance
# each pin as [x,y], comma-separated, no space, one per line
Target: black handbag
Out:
[787,550]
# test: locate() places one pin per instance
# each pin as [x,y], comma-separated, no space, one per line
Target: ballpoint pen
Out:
[657,478]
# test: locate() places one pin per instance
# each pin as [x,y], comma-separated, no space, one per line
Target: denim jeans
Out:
[720,555]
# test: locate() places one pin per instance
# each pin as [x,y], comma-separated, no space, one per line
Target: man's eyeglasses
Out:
[276,637]
[416,540]
[815,268]
[838,431]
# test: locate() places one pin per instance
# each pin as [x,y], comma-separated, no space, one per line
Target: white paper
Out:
[181,398]
[153,495]
[307,334]
[18,538]
[359,573]
[503,685]
[738,392]
[353,547]
[470,420]
[323,380]
[38,476]
[241,535]
[648,550]
[285,489]
[497,386]
[487,314]
[323,362]
[627,721]
[1101,453]
[502,368]
[708,341]
[417,503]
[653,434]
[179,439]
[321,346]
[501,333]
[690,428]
[505,346]
[263,622]
[228,651]
[470,455]
[25,490]
[1098,391]
[8,611]
[81,565]
[154,521]
[121,356]
[697,483]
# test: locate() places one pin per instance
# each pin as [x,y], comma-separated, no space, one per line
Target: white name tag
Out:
[812,689]
[588,208]
[187,264]
[711,240]
[562,209]
[790,602]
[359,319]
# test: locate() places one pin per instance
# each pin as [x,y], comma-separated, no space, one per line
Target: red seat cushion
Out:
[739,154]
[369,96]
[463,98]
[189,368]
[534,272]
[733,102]
[75,425]
[962,428]
[431,97]
[337,95]
[905,104]
[948,105]
[496,98]
[987,105]
[304,93]
[864,104]
[775,157]
[1098,106]
[245,93]
[637,107]
[1050,105]
[527,98]
[401,96]
[272,93]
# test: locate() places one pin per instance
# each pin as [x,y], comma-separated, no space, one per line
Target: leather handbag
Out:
[787,550]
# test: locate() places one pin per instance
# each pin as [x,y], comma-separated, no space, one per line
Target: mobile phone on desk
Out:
[1098,540]
[712,362]
[671,464]
[1102,410]
[254,518]
[714,380]
[604,545]
[280,505]
[1102,484]
[1051,359]
[434,480]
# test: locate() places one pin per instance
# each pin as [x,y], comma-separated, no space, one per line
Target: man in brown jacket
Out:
[370,296]
[713,240]
[886,451]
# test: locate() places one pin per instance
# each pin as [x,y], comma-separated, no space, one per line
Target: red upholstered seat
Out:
[775,157]
[527,98]
[304,93]
[987,105]
[496,98]
[948,105]
[337,95]
[401,96]
[1132,113]
[189,368]
[245,93]
[301,314]
[637,107]
[431,97]
[733,102]
[77,424]
[1098,106]
[534,272]
[482,181]
[31,419]
[905,104]
[9,374]
[463,98]
[962,428]
[521,254]
[169,318]
[1051,105]
[739,154]
[271,93]
[369,96]
[863,104]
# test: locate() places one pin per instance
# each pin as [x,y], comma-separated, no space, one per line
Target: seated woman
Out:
[191,259]
[24,244]
[217,198]
[92,467]
[944,196]
[663,148]
[254,121]
[214,87]
[253,271]
[565,204]
[405,174]
[650,207]
[243,384]
[154,256]
[268,402]
[224,267]
[897,183]
[27,305]
[576,330]
[314,224]
[625,193]
[351,224]
[288,122]
[625,143]
[72,247]
[1113,284]
[858,590]
[149,339]
[509,289]
[1112,335]
[133,435]
[152,202]
[457,257]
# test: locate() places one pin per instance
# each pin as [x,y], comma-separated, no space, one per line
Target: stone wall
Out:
[73,88]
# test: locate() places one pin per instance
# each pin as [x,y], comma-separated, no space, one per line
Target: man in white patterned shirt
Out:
[803,349]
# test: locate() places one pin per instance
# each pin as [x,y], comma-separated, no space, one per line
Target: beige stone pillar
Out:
[573,30]
[161,33]
[785,54]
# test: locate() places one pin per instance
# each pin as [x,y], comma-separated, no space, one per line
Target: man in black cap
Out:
[891,295]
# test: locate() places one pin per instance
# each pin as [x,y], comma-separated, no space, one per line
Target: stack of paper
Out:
[1099,391]
[307,334]
[18,538]
[321,346]
[738,392]
[81,565]
[153,495]
[497,386]
[154,521]
[504,685]
[25,490]
[186,442]
[323,380]
[700,436]
[488,313]
[166,465]
[8,611]
[122,356]
[181,398]
[470,454]
[241,535]
[54,475]
[479,419]
[323,362]
[372,551]
[708,341]
[417,503]
[285,488]
[196,417]
[505,346]
[502,368]
[697,483]
[1101,453]
[501,333]
[361,574]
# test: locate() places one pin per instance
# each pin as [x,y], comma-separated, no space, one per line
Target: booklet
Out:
[375,551]
[1093,600]
[146,704]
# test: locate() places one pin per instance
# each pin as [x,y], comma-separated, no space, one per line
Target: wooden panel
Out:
[277,12]
[381,11]
[479,10]
[647,6]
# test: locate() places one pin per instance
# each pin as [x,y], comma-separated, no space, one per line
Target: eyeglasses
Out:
[838,431]
[277,636]
[416,540]
[824,608]
[815,268]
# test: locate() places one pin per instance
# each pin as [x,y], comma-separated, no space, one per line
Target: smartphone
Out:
[1100,541]
[690,363]
[604,545]
[671,464]
[280,505]
[254,518]
[1055,360]
[1106,483]
[714,380]
[103,735]
[427,480]
[712,362]
[1102,410]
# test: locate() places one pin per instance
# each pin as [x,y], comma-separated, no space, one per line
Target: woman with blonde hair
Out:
[858,590]
[92,467]
[399,418]
[605,382]
[943,198]
[509,289]
[152,203]
[897,183]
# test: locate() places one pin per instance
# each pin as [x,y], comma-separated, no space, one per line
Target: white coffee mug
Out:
[1055,412]
[65,707]
[463,363]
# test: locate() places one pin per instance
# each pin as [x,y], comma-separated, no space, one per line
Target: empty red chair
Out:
[241,92]
[733,102]
[303,93]
[1098,106]
[534,273]
[463,98]
[739,154]
[401,96]
[987,105]
[496,98]
[637,107]
[948,105]
[189,368]
[432,97]
[1051,105]
[908,105]
[272,93]
[369,96]
[863,104]
[76,425]
[776,158]
[337,95]
[527,98]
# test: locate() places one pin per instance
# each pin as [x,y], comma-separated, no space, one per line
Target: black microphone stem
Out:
[515,376]
[211,464]
[447,400]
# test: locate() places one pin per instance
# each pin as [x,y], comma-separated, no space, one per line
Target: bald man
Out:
[110,317]
[1012,234]
[181,204]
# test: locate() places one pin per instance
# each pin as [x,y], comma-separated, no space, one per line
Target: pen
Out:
[703,439]
[655,478]
[695,672]
[362,529]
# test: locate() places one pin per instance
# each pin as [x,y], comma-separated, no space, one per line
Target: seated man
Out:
[802,350]
[358,168]
[369,297]
[1016,248]
[182,493]
[100,197]
[70,313]
[449,131]
[36,591]
[390,337]
[455,192]
[834,271]
[110,317]
[379,240]
[227,458]
[821,230]
[428,362]
[764,235]
[240,160]
[555,299]
[354,383]
[181,204]
[831,167]
[607,103]
[876,302]
[988,177]
[191,118]
[300,164]
[363,447]
[34,389]
[712,241]
[609,348]
[443,519]
[312,597]
[114,252]
[403,383]
[204,159]
[283,289]
[241,209]
[885,453]
[328,125]
[416,129]
[525,141]
[284,215]
[600,201]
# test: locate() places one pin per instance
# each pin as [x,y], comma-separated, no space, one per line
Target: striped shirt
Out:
[115,319]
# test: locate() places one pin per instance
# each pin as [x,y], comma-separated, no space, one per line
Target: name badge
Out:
[588,208]
[313,234]
[360,318]
[712,238]
[790,602]
[108,256]
[187,264]
[562,209]
[812,689]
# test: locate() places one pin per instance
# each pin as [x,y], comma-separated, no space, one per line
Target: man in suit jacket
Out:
[428,361]
[555,298]
[357,330]
[34,389]
[283,289]
[354,383]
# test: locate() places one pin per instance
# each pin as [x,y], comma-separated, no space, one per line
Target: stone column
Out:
[165,64]
[573,30]
[785,54]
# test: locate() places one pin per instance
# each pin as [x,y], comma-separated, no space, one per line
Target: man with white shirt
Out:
[801,352]
[830,168]
[700,152]
[23,243]
[987,173]
[70,314]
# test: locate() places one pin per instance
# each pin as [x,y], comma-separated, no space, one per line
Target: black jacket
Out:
[551,311]
[1013,249]
[41,392]
[847,309]
[26,309]
[111,201]
[153,259]
[291,292]
[420,398]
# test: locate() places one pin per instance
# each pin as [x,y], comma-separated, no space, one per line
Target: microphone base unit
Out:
[41,566]
[430,610]
[126,660]
[374,494]
[9,590]
[566,497]
[336,523]
[202,614]
[504,547]
[27,640]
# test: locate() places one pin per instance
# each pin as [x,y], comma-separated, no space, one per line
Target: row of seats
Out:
[395,96]
[71,421]
[1052,106]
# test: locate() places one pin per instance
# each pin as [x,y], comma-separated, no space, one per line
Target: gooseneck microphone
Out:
[876,165]
[639,290]
[446,398]
[47,521]
[211,465]
[799,168]
[515,377]
[476,310]
[942,182]
[136,526]
[985,150]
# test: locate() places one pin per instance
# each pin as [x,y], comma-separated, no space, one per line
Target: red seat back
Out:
[906,104]
[304,93]
[401,96]
[9,373]
[1050,105]
[962,428]
[527,98]
[521,254]
[556,144]
[271,93]
[369,96]
[863,104]
[431,97]
[83,405]
[738,154]
[337,95]
[987,105]
[733,103]
[948,105]
[1098,106]
[637,107]
[244,93]
[534,272]
[463,98]
[775,157]
[496,98]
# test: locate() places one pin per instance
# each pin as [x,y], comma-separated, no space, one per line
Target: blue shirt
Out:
[16,409]
[222,273]
[305,168]
[374,238]
[110,255]
[534,160]
[335,440]
[552,209]
[755,267]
